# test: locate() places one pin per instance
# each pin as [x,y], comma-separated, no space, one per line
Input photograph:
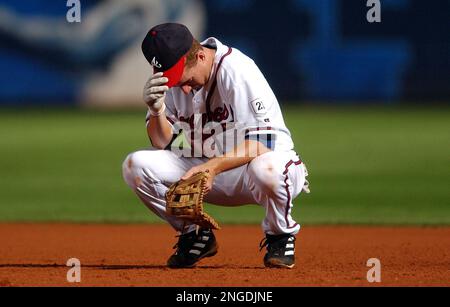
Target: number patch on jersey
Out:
[258,106]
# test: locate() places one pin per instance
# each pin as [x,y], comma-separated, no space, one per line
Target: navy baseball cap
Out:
[165,47]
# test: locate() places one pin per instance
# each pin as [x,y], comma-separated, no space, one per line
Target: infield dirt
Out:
[135,255]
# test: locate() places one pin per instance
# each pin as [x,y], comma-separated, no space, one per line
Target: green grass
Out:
[367,166]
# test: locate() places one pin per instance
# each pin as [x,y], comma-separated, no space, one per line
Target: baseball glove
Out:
[184,199]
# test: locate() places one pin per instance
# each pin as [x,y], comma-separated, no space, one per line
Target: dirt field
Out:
[130,255]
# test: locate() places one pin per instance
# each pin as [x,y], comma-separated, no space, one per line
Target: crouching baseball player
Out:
[222,103]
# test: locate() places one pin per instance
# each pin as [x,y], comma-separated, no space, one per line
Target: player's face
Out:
[196,76]
[191,79]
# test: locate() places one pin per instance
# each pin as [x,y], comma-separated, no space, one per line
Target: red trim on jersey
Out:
[232,113]
[213,86]
[170,120]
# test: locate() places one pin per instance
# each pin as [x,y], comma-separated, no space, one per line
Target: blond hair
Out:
[191,56]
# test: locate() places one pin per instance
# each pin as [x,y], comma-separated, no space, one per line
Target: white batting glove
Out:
[305,187]
[155,92]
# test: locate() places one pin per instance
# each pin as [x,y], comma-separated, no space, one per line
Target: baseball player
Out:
[227,110]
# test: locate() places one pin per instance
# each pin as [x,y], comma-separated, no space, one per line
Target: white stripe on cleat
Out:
[194,251]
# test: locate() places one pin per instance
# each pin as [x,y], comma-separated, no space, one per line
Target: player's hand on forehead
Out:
[154,92]
[154,84]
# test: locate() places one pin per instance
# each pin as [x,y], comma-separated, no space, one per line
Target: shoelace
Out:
[191,238]
[181,244]
[265,241]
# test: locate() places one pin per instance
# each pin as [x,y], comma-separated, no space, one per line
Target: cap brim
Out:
[175,72]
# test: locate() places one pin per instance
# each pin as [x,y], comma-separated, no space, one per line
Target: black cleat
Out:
[192,247]
[280,251]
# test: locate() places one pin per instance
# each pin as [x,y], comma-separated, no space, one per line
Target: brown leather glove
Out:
[184,199]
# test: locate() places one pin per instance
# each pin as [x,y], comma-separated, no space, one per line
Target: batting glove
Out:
[155,92]
[305,187]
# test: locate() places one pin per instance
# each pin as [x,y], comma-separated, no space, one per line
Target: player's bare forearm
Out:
[159,131]
[240,155]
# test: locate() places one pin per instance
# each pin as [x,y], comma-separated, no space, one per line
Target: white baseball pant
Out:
[271,180]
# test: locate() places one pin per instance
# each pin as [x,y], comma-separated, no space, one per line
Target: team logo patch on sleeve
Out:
[258,106]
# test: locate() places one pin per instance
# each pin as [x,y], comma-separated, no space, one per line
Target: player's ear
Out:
[201,55]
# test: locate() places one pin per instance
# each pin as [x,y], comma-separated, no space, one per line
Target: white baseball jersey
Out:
[238,97]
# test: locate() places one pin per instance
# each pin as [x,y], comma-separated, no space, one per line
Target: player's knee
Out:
[132,168]
[128,171]
[264,173]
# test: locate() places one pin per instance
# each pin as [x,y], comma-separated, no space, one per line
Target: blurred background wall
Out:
[44,59]
[315,51]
